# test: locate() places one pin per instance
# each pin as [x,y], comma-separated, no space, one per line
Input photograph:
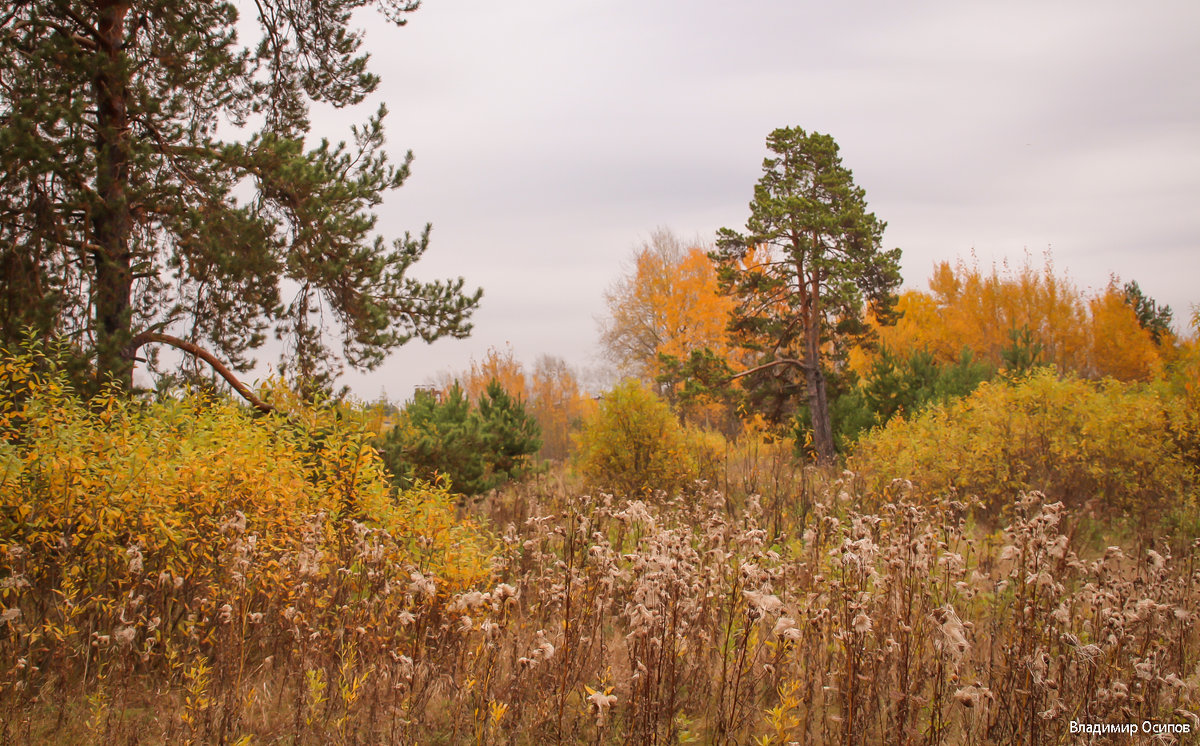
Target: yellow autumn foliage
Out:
[497,365]
[1120,347]
[668,304]
[160,521]
[1104,445]
[1180,387]
[633,443]
[1092,336]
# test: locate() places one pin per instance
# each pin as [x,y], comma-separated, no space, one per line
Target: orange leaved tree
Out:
[668,304]
[989,311]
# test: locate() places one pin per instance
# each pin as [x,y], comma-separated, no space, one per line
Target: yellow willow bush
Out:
[151,527]
[634,444]
[1104,445]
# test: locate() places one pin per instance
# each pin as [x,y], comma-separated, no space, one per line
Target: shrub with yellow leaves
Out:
[130,530]
[1102,444]
[634,443]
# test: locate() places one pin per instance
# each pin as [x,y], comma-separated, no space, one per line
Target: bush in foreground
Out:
[186,543]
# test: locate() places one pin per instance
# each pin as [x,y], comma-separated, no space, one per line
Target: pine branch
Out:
[145,338]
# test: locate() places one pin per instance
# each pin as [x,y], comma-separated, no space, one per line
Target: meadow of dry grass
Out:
[860,619]
[183,571]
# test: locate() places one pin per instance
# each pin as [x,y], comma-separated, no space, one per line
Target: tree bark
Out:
[818,405]
[147,337]
[818,400]
[112,221]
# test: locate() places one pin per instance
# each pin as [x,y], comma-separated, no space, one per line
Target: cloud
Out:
[551,137]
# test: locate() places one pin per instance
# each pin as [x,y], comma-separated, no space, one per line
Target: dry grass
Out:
[680,620]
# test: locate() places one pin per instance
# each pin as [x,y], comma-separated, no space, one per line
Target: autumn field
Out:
[185,570]
[963,515]
[1004,546]
[796,499]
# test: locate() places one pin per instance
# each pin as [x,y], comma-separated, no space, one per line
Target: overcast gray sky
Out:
[552,136]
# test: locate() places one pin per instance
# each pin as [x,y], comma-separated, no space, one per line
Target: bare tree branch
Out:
[783,361]
[145,338]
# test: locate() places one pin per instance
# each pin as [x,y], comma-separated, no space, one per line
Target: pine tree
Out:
[904,384]
[126,219]
[808,263]
[439,437]
[1024,353]
[1153,318]
[510,434]
[476,447]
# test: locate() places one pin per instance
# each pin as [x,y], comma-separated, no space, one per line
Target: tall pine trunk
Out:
[818,400]
[112,221]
